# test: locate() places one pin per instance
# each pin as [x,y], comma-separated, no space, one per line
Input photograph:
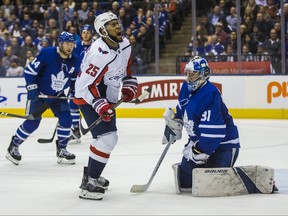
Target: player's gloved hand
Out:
[173,126]
[129,89]
[103,108]
[191,152]
[32,91]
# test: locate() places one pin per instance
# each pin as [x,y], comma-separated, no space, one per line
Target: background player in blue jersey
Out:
[213,137]
[50,73]
[80,49]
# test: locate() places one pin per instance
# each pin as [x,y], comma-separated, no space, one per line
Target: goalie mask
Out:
[196,71]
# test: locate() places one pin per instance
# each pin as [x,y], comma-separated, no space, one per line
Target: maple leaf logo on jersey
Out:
[59,81]
[188,125]
[102,51]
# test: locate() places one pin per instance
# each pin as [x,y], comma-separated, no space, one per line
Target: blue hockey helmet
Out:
[86,27]
[67,37]
[197,71]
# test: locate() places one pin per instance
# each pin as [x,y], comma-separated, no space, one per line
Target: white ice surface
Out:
[40,186]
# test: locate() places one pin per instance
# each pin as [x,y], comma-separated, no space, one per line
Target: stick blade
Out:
[138,188]
[44,140]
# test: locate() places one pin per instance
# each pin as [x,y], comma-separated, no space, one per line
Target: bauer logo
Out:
[220,171]
[164,89]
[276,90]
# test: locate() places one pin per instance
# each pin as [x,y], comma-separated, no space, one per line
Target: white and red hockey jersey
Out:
[102,71]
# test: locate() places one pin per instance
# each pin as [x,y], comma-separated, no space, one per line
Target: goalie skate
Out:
[63,156]
[13,154]
[92,190]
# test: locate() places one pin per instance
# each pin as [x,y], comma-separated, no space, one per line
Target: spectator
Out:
[140,18]
[53,11]
[7,8]
[14,69]
[228,55]
[271,8]
[138,56]
[214,46]
[216,16]
[8,57]
[16,30]
[96,8]
[232,19]
[28,45]
[251,43]
[262,54]
[273,47]
[222,35]
[246,54]
[27,21]
[83,12]
[2,70]
[204,29]
[257,35]
[115,8]
[36,13]
[15,46]
[124,19]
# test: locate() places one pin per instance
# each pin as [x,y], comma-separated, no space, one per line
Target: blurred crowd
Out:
[27,26]
[260,31]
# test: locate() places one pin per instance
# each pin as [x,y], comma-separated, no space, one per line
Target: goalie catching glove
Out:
[173,126]
[191,152]
[103,108]
[129,88]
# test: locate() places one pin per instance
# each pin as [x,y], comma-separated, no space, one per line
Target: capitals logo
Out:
[102,51]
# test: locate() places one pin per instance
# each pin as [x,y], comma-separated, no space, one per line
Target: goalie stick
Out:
[143,188]
[42,140]
[136,101]
[32,116]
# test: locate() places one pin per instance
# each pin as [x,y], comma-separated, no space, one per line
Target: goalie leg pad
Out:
[178,188]
[212,182]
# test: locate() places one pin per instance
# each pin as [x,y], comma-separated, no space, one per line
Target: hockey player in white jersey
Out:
[50,73]
[105,73]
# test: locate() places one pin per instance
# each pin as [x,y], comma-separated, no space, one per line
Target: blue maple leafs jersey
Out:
[51,73]
[206,118]
[80,48]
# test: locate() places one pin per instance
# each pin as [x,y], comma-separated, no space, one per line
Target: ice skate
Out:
[64,157]
[76,135]
[101,180]
[13,154]
[93,190]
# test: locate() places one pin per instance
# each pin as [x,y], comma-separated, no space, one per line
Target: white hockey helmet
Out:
[101,20]
[197,71]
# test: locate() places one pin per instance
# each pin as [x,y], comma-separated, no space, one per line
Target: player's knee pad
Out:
[233,181]
[65,119]
[102,146]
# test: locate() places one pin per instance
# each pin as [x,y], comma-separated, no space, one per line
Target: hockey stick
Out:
[56,97]
[32,116]
[42,140]
[136,101]
[143,188]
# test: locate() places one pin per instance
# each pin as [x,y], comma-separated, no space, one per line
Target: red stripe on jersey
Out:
[99,153]
[93,87]
[128,69]
[79,101]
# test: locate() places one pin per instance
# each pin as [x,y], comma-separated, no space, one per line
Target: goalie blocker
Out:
[217,182]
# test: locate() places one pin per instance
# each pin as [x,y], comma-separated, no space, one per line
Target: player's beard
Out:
[65,53]
[117,39]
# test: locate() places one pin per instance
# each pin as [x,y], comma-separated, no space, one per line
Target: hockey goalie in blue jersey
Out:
[213,137]
[50,73]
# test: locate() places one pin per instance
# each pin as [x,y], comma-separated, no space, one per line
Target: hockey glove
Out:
[103,108]
[129,89]
[191,152]
[32,91]
[173,126]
